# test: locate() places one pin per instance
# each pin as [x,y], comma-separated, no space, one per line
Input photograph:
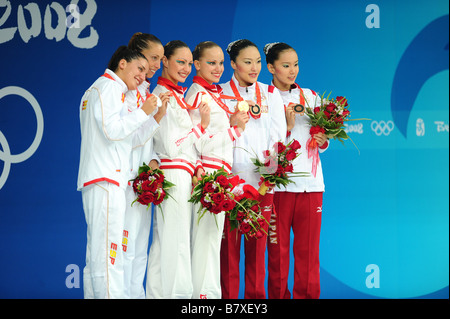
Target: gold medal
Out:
[206,98]
[243,106]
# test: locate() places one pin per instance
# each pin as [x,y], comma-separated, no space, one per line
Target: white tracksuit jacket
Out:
[107,133]
[216,151]
[300,132]
[260,134]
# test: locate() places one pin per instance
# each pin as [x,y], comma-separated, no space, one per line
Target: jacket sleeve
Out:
[112,116]
[179,132]
[209,141]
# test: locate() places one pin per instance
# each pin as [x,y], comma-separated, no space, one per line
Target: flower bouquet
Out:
[150,186]
[246,215]
[327,118]
[214,192]
[277,168]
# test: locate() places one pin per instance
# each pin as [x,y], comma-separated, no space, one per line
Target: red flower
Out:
[279,147]
[143,176]
[209,187]
[345,113]
[291,154]
[223,181]
[227,205]
[331,107]
[149,186]
[289,168]
[158,200]
[245,227]
[295,145]
[145,198]
[240,215]
[342,100]
[316,129]
[218,198]
[316,109]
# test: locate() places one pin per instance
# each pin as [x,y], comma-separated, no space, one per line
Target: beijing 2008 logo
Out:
[5,152]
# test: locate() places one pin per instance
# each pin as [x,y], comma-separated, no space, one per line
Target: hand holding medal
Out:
[298,108]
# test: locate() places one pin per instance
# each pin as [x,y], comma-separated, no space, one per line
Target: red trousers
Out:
[255,255]
[302,212]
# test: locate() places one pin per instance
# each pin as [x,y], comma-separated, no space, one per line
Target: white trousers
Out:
[136,234]
[104,208]
[206,242]
[169,260]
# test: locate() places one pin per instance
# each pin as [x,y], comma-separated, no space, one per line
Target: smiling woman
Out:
[130,66]
[107,138]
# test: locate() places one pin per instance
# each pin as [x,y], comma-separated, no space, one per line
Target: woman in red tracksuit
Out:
[299,205]
[266,126]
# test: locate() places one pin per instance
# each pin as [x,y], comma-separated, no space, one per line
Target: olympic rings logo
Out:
[382,127]
[5,152]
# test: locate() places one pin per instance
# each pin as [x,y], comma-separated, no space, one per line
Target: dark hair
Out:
[140,41]
[171,46]
[201,47]
[235,47]
[123,52]
[273,50]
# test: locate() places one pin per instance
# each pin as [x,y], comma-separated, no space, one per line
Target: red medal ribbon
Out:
[215,89]
[169,85]
[258,97]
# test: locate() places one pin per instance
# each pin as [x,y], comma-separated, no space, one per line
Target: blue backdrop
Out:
[385,214]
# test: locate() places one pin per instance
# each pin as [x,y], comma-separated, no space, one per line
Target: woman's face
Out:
[133,72]
[178,67]
[154,54]
[210,65]
[247,66]
[285,69]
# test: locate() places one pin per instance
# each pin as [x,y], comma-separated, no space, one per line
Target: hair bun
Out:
[269,46]
[231,45]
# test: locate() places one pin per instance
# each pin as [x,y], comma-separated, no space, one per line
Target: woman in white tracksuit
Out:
[137,217]
[107,137]
[216,151]
[266,126]
[169,261]
[299,205]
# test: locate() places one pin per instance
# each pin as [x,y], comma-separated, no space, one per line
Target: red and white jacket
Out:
[107,132]
[174,142]
[300,132]
[260,134]
[216,146]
